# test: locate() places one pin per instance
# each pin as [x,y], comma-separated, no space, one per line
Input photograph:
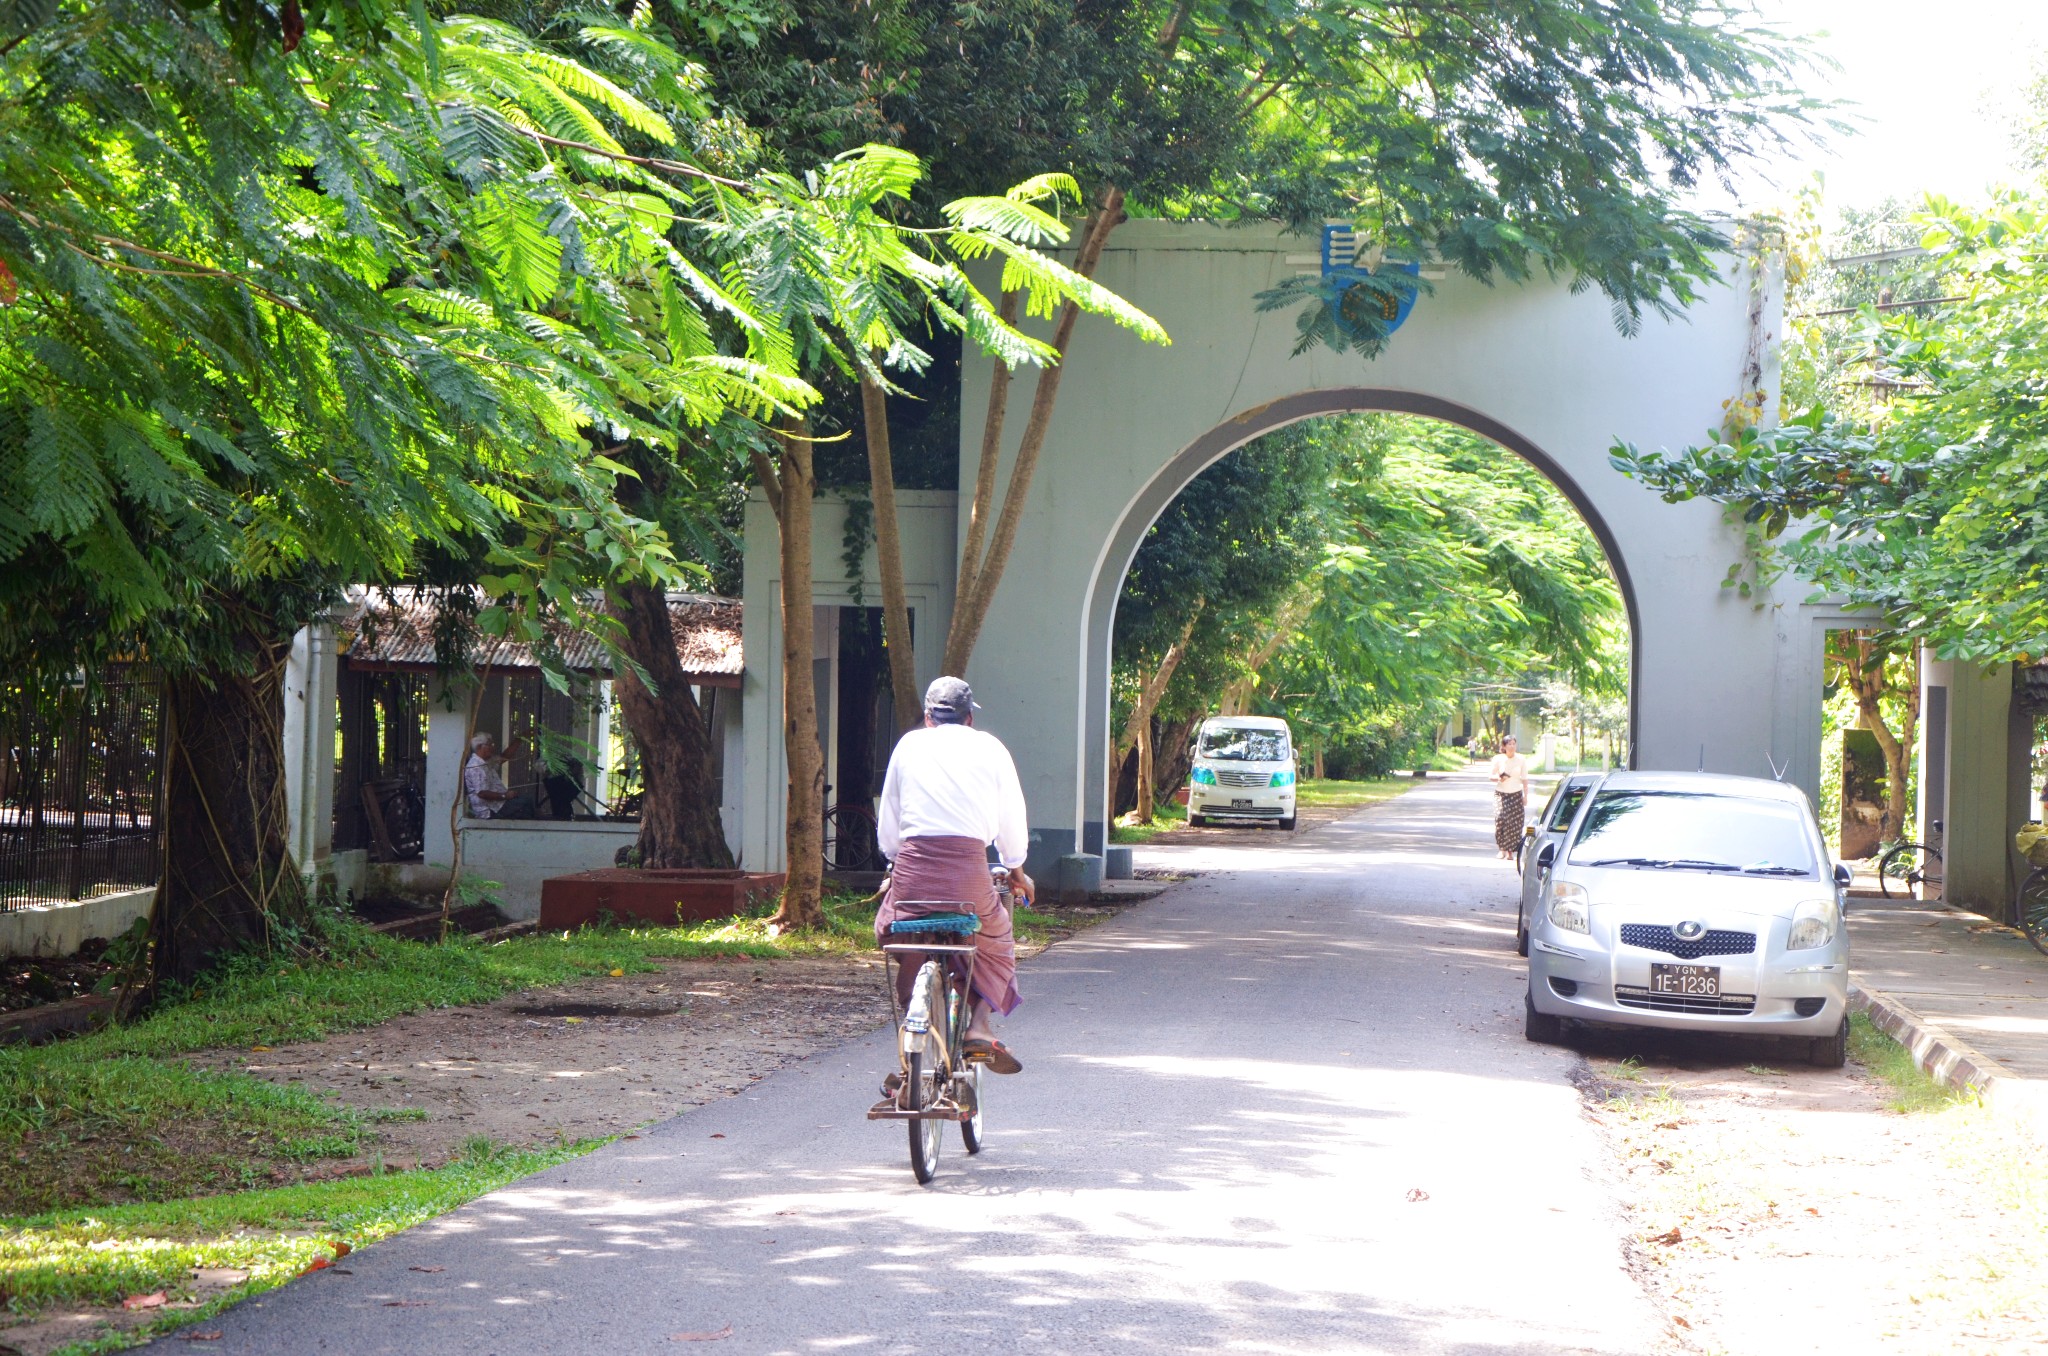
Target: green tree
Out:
[1513,140]
[1928,509]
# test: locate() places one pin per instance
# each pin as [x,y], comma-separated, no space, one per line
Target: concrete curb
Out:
[1949,1059]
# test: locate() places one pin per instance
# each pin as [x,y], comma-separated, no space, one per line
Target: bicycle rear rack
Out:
[945,1109]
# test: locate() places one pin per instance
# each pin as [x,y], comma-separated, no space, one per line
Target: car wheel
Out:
[1830,1052]
[1541,1027]
[1196,821]
[1521,932]
[1287,824]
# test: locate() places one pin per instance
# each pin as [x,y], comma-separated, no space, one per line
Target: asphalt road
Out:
[1285,1107]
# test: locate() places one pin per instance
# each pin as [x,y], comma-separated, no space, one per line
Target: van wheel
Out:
[1196,821]
[1287,824]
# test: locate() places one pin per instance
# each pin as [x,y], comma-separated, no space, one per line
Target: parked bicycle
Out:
[2030,905]
[1910,870]
[935,1082]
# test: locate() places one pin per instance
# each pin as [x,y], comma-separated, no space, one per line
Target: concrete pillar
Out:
[447,731]
[1979,825]
[310,676]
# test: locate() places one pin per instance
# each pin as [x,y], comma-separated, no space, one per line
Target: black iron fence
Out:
[79,789]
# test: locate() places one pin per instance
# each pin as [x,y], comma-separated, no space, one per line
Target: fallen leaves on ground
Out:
[725,1331]
[1669,1238]
[156,1299]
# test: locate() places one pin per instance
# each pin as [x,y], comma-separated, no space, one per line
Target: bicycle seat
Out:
[937,922]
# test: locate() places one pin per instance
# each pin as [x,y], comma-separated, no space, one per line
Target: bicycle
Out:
[1907,867]
[2031,905]
[937,1082]
[850,838]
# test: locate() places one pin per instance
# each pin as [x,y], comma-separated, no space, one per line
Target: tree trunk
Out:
[1148,697]
[228,883]
[789,488]
[908,700]
[1286,621]
[1170,757]
[679,824]
[1144,810]
[1869,681]
[980,572]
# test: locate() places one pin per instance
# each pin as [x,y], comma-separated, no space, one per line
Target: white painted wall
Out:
[60,929]
[1533,366]
[521,853]
[929,556]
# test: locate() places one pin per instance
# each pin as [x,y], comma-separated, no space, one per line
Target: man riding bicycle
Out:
[950,793]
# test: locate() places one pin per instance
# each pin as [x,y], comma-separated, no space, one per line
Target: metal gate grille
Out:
[79,789]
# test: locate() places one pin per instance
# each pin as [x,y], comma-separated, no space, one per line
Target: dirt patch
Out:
[595,1059]
[1306,817]
[27,982]
[1778,1207]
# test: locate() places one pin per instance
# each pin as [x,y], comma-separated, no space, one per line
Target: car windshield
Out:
[1244,744]
[1694,831]
[1567,805]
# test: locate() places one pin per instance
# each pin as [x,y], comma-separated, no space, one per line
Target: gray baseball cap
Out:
[949,700]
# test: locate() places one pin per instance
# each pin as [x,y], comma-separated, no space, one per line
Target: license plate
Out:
[1240,805]
[1689,981]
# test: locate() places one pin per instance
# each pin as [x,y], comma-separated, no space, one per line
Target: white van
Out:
[1244,770]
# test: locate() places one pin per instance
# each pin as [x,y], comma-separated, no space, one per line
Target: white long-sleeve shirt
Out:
[953,781]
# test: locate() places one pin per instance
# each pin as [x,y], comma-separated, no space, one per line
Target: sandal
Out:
[992,1053]
[892,1085]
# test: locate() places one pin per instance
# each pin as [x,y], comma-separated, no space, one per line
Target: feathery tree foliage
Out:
[1538,137]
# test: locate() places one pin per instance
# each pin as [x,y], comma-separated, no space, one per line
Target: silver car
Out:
[1692,901]
[1548,830]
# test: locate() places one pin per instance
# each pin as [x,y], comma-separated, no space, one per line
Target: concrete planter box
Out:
[664,898]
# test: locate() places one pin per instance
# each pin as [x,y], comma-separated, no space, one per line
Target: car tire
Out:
[1287,824]
[1521,933]
[1196,821]
[1540,1027]
[1830,1052]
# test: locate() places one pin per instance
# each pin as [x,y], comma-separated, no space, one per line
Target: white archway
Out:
[1182,469]
[1719,679]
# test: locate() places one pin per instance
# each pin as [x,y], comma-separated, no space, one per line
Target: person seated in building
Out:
[483,782]
[951,793]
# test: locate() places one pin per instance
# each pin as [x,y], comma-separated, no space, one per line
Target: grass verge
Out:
[1913,1092]
[1166,818]
[1327,793]
[102,1255]
[116,1116]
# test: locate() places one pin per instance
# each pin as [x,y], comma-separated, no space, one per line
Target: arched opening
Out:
[1181,470]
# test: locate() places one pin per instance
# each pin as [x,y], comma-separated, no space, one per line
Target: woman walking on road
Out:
[1510,787]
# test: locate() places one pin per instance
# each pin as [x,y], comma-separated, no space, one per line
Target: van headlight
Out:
[1569,907]
[1203,776]
[1283,778]
[1813,924]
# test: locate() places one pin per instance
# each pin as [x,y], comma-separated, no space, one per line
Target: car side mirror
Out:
[1546,856]
[1844,877]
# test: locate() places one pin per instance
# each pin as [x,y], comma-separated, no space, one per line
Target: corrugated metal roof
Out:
[394,629]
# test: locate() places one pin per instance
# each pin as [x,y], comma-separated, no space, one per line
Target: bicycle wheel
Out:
[1900,871]
[965,1087]
[2032,907]
[924,1073]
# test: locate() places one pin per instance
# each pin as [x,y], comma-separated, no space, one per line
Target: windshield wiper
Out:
[1667,863]
[1771,869]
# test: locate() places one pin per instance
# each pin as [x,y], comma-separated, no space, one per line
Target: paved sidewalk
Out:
[1967,996]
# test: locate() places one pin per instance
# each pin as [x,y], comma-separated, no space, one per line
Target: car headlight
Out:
[1813,924]
[1283,778]
[1569,907]
[1203,776]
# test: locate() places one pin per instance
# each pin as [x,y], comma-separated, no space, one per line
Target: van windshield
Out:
[1243,744]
